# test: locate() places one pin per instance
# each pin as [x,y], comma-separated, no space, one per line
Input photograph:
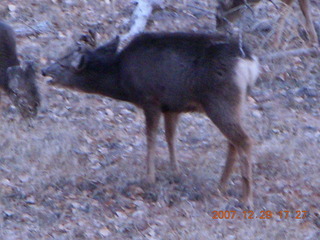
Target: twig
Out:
[201,9]
[294,52]
[241,44]
[235,9]
[263,99]
[248,6]
[275,5]
[42,27]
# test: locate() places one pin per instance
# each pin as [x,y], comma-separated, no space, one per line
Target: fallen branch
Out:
[201,9]
[248,6]
[294,52]
[210,14]
[275,5]
[42,27]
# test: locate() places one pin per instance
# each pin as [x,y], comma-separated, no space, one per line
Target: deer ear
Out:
[109,47]
[79,62]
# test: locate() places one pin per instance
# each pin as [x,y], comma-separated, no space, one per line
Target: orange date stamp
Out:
[299,214]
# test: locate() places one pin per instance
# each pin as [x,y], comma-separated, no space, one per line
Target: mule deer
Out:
[18,82]
[231,9]
[305,8]
[172,73]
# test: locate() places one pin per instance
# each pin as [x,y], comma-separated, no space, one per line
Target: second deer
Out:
[231,9]
[18,81]
[306,10]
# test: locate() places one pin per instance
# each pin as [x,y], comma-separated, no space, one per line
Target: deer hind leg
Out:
[305,8]
[171,120]
[231,159]
[285,11]
[226,116]
[152,115]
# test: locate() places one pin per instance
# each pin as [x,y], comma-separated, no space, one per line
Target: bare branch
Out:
[275,5]
[294,52]
[42,27]
[140,17]
[248,6]
[201,9]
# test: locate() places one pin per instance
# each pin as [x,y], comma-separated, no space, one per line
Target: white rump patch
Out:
[246,73]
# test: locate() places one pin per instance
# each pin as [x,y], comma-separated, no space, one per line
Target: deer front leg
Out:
[152,121]
[171,120]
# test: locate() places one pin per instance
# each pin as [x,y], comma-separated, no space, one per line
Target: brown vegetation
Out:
[74,171]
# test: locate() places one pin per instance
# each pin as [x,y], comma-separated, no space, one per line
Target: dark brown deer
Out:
[172,73]
[17,81]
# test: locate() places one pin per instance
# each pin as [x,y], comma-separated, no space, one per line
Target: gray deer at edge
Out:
[17,81]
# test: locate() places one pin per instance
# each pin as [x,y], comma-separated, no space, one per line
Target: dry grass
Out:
[74,172]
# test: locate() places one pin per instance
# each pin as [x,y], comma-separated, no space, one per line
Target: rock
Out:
[256,114]
[138,214]
[110,113]
[263,26]
[8,213]
[24,178]
[6,182]
[140,204]
[12,8]
[104,232]
[27,218]
[125,111]
[121,215]
[31,200]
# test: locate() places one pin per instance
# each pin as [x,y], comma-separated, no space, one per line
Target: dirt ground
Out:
[74,171]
